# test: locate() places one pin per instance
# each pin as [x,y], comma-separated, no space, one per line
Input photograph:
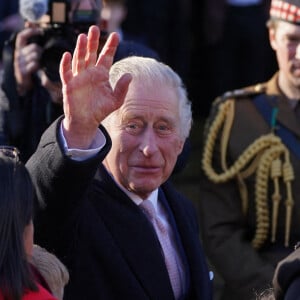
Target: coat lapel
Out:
[135,237]
[187,226]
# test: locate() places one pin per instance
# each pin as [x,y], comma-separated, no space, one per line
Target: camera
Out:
[61,33]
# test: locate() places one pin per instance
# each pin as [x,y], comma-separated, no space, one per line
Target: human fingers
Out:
[26,62]
[92,45]
[106,56]
[78,61]
[65,70]
[23,37]
[29,52]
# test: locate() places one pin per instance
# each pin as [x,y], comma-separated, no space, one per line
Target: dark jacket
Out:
[286,279]
[227,231]
[100,234]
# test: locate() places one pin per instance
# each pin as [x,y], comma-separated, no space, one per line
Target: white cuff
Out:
[80,154]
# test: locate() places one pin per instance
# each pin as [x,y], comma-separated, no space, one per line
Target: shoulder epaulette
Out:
[241,93]
[237,94]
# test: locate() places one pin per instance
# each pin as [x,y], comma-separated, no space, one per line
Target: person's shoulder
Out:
[248,92]
[224,103]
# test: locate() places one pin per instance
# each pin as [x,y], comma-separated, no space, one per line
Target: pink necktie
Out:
[164,239]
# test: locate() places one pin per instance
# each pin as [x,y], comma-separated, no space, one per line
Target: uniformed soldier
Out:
[250,204]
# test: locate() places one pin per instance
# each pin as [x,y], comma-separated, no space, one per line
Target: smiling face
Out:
[145,137]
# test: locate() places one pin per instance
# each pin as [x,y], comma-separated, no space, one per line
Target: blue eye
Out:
[163,129]
[133,127]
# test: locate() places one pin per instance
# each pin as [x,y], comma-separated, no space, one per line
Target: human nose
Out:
[148,143]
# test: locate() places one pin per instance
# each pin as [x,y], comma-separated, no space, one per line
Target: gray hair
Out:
[150,70]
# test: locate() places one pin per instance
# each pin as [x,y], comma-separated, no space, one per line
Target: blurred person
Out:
[10,21]
[17,280]
[235,42]
[31,97]
[100,168]
[113,14]
[250,187]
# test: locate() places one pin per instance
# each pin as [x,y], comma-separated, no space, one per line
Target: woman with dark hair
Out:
[17,280]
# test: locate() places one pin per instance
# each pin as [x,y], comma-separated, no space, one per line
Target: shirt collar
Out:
[135,198]
[138,200]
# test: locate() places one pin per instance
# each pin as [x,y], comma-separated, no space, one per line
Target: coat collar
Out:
[286,114]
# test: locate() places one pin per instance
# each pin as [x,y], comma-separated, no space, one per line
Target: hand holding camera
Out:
[41,45]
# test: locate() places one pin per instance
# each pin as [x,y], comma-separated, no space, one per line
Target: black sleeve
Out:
[293,291]
[287,277]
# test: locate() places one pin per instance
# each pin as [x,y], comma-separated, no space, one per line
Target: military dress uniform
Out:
[250,186]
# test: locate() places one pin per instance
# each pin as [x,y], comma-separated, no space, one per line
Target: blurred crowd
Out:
[213,45]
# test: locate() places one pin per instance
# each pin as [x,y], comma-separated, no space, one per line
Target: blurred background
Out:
[214,45]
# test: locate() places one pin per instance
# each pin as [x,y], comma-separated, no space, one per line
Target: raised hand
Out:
[87,94]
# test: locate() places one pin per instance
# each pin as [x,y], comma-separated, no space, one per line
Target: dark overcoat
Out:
[103,238]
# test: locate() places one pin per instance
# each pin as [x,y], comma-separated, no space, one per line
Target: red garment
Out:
[39,278]
[41,294]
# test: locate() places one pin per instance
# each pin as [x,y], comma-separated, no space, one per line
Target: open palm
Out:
[88,97]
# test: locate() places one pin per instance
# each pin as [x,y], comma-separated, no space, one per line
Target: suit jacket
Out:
[99,233]
[227,231]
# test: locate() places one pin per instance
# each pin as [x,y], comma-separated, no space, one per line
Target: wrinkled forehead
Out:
[149,111]
[149,90]
[150,101]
